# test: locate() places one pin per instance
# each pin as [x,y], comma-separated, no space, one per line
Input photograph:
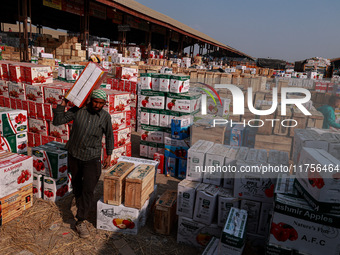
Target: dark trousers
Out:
[85,176]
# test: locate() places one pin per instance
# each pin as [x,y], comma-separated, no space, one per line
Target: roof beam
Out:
[155,21]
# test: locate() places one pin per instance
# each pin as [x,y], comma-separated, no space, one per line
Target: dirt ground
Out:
[48,228]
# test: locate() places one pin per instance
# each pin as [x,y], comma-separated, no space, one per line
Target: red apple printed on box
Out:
[171,105]
[145,102]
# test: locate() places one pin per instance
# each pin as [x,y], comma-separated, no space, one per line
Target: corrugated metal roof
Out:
[138,7]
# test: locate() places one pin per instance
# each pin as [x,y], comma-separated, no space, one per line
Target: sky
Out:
[290,30]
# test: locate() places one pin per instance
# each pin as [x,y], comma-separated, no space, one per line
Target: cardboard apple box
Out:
[117,101]
[16,90]
[90,79]
[15,172]
[12,121]
[38,74]
[38,126]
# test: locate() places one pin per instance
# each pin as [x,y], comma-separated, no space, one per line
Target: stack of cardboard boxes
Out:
[166,113]
[306,207]
[129,192]
[50,178]
[15,185]
[219,178]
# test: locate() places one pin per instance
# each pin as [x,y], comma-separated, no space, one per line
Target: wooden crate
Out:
[278,128]
[14,204]
[208,78]
[200,76]
[301,120]
[267,128]
[139,185]
[66,52]
[204,131]
[236,79]
[165,212]
[226,78]
[248,115]
[274,142]
[216,78]
[193,76]
[114,182]
[315,120]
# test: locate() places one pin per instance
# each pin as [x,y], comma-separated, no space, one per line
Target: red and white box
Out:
[90,79]
[55,92]
[30,139]
[48,112]
[25,106]
[40,111]
[38,126]
[117,101]
[19,103]
[122,137]
[117,153]
[7,102]
[121,120]
[55,189]
[16,90]
[32,109]
[2,101]
[37,139]
[13,103]
[114,83]
[16,171]
[38,74]
[34,93]
[127,73]
[4,88]
[5,70]
[45,139]
[61,131]
[14,72]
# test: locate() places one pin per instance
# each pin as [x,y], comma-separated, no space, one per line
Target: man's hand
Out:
[107,162]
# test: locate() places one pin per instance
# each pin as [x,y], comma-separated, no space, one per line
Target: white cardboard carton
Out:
[233,236]
[226,201]
[195,233]
[310,232]
[196,158]
[318,180]
[214,158]
[205,204]
[253,209]
[186,196]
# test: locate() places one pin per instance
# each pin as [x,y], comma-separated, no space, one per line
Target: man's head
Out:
[98,99]
[334,101]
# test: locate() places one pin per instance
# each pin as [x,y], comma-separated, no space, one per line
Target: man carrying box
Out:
[90,123]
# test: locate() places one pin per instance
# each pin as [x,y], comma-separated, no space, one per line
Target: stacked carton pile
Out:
[125,79]
[129,192]
[307,209]
[30,87]
[13,130]
[15,185]
[65,48]
[50,178]
[206,195]
[166,109]
[118,106]
[10,53]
